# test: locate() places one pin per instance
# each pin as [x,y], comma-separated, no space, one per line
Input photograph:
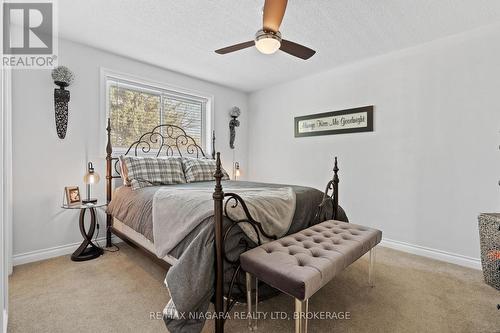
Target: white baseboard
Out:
[52,252]
[423,251]
[5,320]
[453,258]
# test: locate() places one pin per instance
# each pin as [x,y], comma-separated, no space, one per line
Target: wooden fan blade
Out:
[296,50]
[274,10]
[235,47]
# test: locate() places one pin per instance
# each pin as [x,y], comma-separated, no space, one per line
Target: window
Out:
[136,108]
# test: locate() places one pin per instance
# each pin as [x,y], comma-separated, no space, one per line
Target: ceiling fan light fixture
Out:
[267,42]
[268,39]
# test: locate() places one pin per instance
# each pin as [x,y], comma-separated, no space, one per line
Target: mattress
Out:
[139,239]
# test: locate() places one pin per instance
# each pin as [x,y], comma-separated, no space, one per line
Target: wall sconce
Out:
[236,170]
[233,123]
[62,77]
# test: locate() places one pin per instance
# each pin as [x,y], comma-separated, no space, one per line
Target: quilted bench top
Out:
[301,263]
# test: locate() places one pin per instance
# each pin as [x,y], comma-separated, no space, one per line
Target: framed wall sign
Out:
[337,122]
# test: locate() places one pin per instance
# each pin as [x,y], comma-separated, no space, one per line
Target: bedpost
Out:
[218,197]
[109,181]
[335,189]
[213,144]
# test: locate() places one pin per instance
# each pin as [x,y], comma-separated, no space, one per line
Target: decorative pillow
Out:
[124,171]
[200,169]
[152,171]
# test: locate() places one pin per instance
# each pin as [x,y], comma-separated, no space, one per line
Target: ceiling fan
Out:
[268,39]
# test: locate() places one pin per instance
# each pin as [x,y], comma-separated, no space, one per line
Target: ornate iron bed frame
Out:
[163,138]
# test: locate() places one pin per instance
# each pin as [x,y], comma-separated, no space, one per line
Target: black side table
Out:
[87,250]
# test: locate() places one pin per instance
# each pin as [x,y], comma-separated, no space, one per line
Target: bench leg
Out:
[301,310]
[252,316]
[249,299]
[371,268]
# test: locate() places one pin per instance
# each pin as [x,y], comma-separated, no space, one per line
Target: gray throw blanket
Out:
[177,211]
[191,279]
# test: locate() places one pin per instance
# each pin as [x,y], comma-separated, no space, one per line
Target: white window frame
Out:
[162,89]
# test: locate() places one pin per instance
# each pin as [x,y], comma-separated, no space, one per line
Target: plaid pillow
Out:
[153,171]
[200,169]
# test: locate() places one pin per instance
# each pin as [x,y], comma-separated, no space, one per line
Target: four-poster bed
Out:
[171,140]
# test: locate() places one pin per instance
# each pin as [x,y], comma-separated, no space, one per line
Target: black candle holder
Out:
[62,77]
[233,123]
[61,100]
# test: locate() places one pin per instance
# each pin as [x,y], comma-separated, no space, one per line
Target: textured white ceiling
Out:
[181,35]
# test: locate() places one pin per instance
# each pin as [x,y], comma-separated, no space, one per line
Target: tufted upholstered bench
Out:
[301,264]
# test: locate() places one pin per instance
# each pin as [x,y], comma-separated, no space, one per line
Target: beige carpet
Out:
[117,293]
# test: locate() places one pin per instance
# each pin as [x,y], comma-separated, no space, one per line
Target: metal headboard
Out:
[165,139]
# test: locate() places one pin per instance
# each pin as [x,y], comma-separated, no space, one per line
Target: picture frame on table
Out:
[72,195]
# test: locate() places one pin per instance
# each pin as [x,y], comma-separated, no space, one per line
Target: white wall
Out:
[44,164]
[3,236]
[422,177]
[5,192]
[432,164]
